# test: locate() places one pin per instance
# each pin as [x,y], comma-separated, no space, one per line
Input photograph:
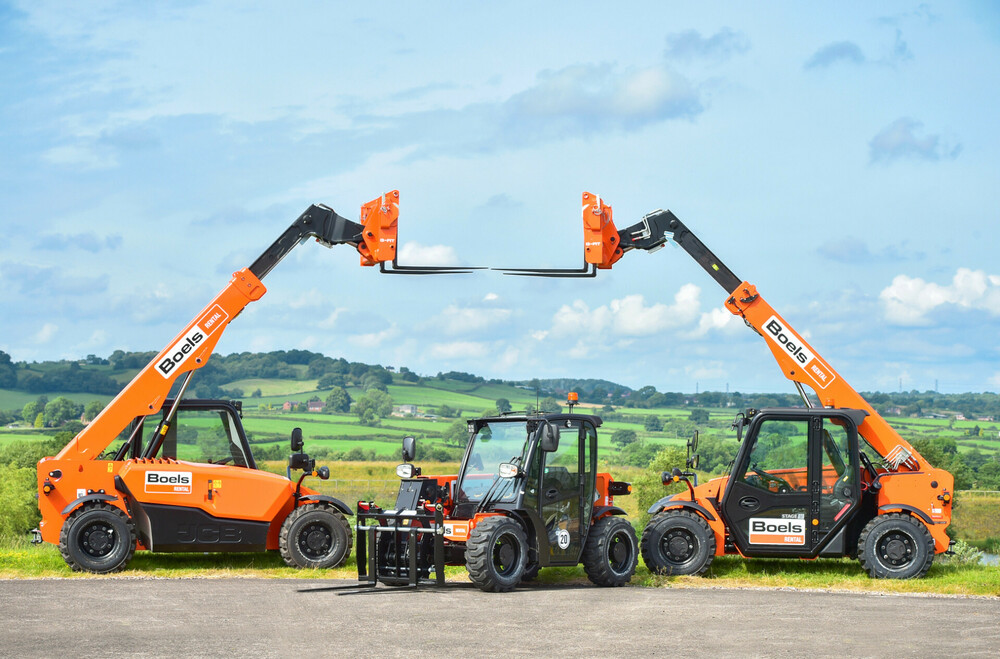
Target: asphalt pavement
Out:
[107,617]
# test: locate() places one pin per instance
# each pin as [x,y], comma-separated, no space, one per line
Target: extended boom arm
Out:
[375,240]
[799,362]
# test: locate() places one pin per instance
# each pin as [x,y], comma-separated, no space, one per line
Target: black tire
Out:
[315,536]
[97,538]
[895,546]
[530,572]
[611,552]
[678,542]
[496,554]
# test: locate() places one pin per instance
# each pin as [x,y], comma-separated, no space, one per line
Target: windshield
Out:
[495,443]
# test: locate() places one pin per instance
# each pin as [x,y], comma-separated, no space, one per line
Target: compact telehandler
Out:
[99,504]
[527,495]
[830,479]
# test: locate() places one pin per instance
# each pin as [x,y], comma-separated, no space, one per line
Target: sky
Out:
[844,158]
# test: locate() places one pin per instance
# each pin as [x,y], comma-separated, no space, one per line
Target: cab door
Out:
[564,493]
[794,484]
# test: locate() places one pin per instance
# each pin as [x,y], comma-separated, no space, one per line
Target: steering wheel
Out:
[221,461]
[783,485]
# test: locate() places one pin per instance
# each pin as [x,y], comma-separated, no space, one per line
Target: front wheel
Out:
[895,546]
[97,538]
[678,542]
[496,554]
[611,553]
[315,536]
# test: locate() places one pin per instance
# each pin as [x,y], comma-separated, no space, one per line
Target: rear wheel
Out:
[611,553]
[315,536]
[97,538]
[496,554]
[895,546]
[678,542]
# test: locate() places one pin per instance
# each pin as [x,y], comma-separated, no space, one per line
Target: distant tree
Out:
[699,416]
[550,405]
[653,423]
[29,412]
[447,411]
[503,405]
[40,420]
[338,401]
[408,375]
[608,409]
[624,437]
[331,380]
[457,434]
[8,373]
[61,410]
[371,381]
[373,406]
[92,409]
[257,393]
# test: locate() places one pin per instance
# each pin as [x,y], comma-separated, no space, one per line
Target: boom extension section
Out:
[374,238]
[605,244]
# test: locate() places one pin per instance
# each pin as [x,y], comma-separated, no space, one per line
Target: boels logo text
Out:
[168,482]
[777,332]
[179,352]
[777,531]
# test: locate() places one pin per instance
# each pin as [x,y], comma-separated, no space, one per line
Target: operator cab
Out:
[204,430]
[540,466]
[795,483]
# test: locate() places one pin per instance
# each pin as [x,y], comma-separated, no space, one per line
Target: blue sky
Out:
[845,159]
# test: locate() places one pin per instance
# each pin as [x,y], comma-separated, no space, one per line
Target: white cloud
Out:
[490,297]
[465,320]
[331,320]
[909,300]
[628,316]
[715,319]
[413,253]
[373,339]
[460,350]
[45,334]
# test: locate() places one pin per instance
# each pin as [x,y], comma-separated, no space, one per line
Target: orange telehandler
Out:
[803,483]
[99,505]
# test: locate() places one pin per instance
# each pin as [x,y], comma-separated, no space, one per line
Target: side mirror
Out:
[692,456]
[409,449]
[323,473]
[296,440]
[549,441]
[508,470]
[738,426]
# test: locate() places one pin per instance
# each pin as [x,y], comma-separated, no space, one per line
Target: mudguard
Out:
[670,502]
[601,511]
[336,503]
[85,499]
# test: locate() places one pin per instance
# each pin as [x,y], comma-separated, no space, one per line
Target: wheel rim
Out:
[315,540]
[678,546]
[620,552]
[896,549]
[506,554]
[97,539]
